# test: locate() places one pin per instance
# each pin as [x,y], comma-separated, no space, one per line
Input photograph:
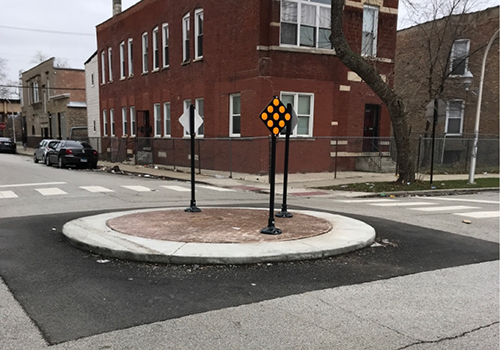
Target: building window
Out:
[200,107]
[122,60]
[110,65]
[185,38]
[112,121]
[370,29]
[157,117]
[306,23]
[132,121]
[130,57]
[167,120]
[454,117]
[124,121]
[303,105]
[156,49]
[36,95]
[105,122]
[459,57]
[165,44]
[187,104]
[198,30]
[92,82]
[145,67]
[103,67]
[235,115]
[94,126]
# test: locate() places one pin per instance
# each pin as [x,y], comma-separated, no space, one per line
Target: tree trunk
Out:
[369,74]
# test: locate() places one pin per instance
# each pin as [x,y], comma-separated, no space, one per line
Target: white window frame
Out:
[132,121]
[165,45]
[145,49]
[199,105]
[103,67]
[110,64]
[296,95]
[299,19]
[36,92]
[122,60]
[454,53]
[124,121]
[105,122]
[167,120]
[156,50]
[369,34]
[198,34]
[130,47]
[112,121]
[186,104]
[186,55]
[157,119]
[460,117]
[232,115]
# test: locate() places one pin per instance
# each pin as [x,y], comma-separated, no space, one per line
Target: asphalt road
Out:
[80,300]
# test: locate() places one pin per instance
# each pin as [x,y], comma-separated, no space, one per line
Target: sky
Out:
[64,29]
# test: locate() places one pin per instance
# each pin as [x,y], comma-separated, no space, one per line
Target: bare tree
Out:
[368,72]
[41,56]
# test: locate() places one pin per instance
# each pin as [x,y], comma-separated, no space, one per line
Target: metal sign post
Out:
[275,117]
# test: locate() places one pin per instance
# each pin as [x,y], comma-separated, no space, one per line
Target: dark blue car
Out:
[7,145]
[75,153]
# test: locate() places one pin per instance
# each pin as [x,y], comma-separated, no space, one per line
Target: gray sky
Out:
[49,27]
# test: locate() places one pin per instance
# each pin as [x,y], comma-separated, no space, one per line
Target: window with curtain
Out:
[145,49]
[185,38]
[122,60]
[166,45]
[235,115]
[302,103]
[124,121]
[370,30]
[112,121]
[132,121]
[306,23]
[156,49]
[459,56]
[157,118]
[110,65]
[130,57]
[105,122]
[198,48]
[167,120]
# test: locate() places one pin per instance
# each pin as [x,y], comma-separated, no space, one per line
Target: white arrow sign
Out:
[184,120]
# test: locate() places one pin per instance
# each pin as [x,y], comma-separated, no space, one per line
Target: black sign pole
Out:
[271,229]
[192,208]
[284,213]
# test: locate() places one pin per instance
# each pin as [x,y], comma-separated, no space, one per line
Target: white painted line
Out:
[95,189]
[177,188]
[34,184]
[366,200]
[220,189]
[481,214]
[51,191]
[398,204]
[464,200]
[7,194]
[450,208]
[138,188]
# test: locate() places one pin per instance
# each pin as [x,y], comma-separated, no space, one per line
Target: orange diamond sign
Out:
[275,116]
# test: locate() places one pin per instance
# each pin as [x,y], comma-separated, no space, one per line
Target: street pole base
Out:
[271,231]
[284,214]
[193,209]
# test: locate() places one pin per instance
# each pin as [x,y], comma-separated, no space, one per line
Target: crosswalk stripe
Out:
[464,200]
[449,208]
[399,204]
[138,188]
[7,194]
[177,188]
[95,189]
[51,191]
[220,189]
[378,200]
[481,214]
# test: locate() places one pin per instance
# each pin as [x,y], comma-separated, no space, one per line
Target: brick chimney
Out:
[117,7]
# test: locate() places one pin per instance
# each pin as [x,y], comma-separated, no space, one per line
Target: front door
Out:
[370,129]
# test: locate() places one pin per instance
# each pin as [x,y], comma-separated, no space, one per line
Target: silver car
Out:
[41,150]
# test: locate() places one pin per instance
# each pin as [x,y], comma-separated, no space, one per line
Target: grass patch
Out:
[416,186]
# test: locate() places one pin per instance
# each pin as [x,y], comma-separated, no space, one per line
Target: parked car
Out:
[41,150]
[7,145]
[76,153]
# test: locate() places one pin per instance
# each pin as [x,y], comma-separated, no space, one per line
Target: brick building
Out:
[229,58]
[11,123]
[53,102]
[458,43]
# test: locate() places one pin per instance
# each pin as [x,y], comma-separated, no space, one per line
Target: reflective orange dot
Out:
[276,131]
[270,123]
[276,102]
[264,116]
[282,123]
[276,116]
[282,109]
[287,116]
[270,109]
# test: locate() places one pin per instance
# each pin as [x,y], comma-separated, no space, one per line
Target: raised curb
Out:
[91,233]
